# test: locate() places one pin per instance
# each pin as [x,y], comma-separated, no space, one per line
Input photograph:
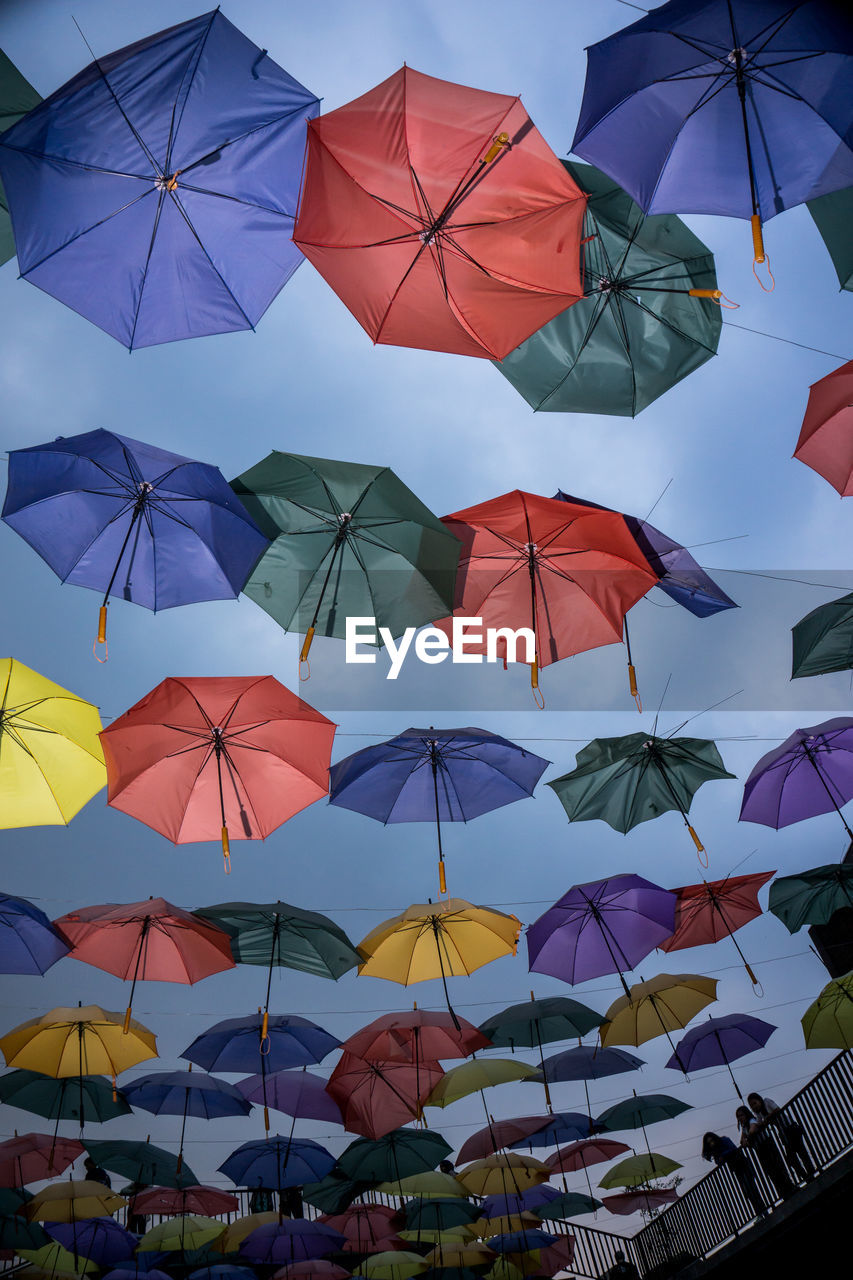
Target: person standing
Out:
[789,1131]
[722,1151]
[759,1140]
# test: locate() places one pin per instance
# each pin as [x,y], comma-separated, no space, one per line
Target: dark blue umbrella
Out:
[155,192]
[588,1063]
[278,1162]
[734,107]
[521,1241]
[101,1240]
[28,941]
[125,518]
[435,775]
[293,1240]
[530,1200]
[235,1044]
[186,1093]
[720,1041]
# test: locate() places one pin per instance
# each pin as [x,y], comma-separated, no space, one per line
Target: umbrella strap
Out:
[442,880]
[341,534]
[138,508]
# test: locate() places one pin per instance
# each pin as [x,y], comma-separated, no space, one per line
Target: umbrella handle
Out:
[632,685]
[226,850]
[101,636]
[500,141]
[534,685]
[306,645]
[126,1026]
[759,254]
[442,879]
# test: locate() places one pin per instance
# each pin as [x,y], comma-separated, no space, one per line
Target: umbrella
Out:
[69,1098]
[501,1173]
[290,1241]
[152,940]
[810,773]
[629,780]
[72,1200]
[51,762]
[643,1200]
[714,909]
[333,1193]
[601,927]
[721,1041]
[396,1264]
[99,1240]
[142,1162]
[824,441]
[182,1234]
[216,756]
[822,641]
[316,1269]
[428,1185]
[648,317]
[86,1040]
[566,572]
[440,216]
[562,1126]
[811,897]
[236,1044]
[426,775]
[378,1096]
[635,1171]
[17,97]
[347,540]
[499,1134]
[589,1063]
[537,1022]
[569,1205]
[415,1036]
[227,1271]
[520,1241]
[207,1201]
[440,1214]
[53,1260]
[395,1156]
[298,1093]
[368,1228]
[16,1234]
[238,1230]
[28,941]
[530,1201]
[34,1156]
[657,1007]
[180,1093]
[832,216]
[122,517]
[278,1162]
[828,1021]
[479,1074]
[639,1111]
[732,109]
[155,192]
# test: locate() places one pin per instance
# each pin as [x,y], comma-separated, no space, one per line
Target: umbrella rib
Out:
[155,225]
[175,121]
[213,267]
[122,208]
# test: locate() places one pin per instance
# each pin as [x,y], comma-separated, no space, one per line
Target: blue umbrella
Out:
[564,1126]
[588,1062]
[125,518]
[435,775]
[155,192]
[293,1240]
[28,941]
[720,1041]
[101,1240]
[530,1200]
[278,1162]
[236,1044]
[733,107]
[521,1241]
[182,1093]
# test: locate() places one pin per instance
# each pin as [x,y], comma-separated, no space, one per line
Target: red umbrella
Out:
[826,436]
[440,216]
[152,941]
[369,1228]
[215,756]
[376,1097]
[206,1201]
[416,1036]
[567,571]
[639,1201]
[579,1155]
[558,1256]
[499,1134]
[714,909]
[35,1156]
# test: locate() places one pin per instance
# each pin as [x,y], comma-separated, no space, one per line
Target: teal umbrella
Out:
[833,215]
[649,315]
[16,1233]
[17,97]
[823,640]
[332,1194]
[397,1155]
[639,1111]
[537,1022]
[629,780]
[142,1162]
[812,896]
[569,1205]
[347,540]
[93,1098]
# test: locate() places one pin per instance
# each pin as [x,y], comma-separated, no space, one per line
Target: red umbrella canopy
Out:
[416,1035]
[369,1228]
[579,1155]
[566,570]
[376,1097]
[206,1201]
[826,436]
[35,1156]
[627,1202]
[208,756]
[440,216]
[714,909]
[498,1134]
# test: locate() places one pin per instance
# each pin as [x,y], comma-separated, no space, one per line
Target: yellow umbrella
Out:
[51,760]
[507,1223]
[236,1231]
[437,940]
[479,1073]
[431,1185]
[186,1232]
[72,1201]
[506,1173]
[503,1269]
[828,1021]
[86,1040]
[428,1235]
[473,1254]
[53,1260]
[635,1170]
[393,1264]
[657,1007]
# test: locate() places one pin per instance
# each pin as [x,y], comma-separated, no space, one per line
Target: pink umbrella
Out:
[376,1097]
[578,1155]
[369,1228]
[317,1269]
[498,1134]
[34,1156]
[826,436]
[639,1201]
[207,1201]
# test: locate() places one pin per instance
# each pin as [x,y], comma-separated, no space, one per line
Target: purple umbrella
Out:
[523,1202]
[721,1041]
[810,773]
[298,1093]
[101,1240]
[293,1240]
[28,941]
[602,927]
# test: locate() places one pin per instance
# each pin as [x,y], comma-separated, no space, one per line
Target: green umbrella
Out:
[569,1205]
[142,1162]
[828,1022]
[626,781]
[68,1098]
[16,1233]
[812,896]
[17,97]
[637,330]
[637,1112]
[823,639]
[440,1214]
[399,1154]
[347,540]
[636,1171]
[12,1200]
[833,215]
[538,1022]
[332,1194]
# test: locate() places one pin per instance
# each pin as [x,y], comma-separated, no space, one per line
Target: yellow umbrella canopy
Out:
[53,1260]
[428,1235]
[186,1232]
[393,1264]
[656,1007]
[430,1185]
[479,1073]
[51,760]
[235,1233]
[437,940]
[72,1200]
[636,1170]
[469,1254]
[83,1040]
[506,1224]
[828,1021]
[506,1173]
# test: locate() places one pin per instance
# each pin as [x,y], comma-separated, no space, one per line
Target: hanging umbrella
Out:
[368,1228]
[69,1098]
[206,1201]
[714,909]
[181,1235]
[217,756]
[566,572]
[730,110]
[120,516]
[298,1093]
[653,1008]
[480,1073]
[812,896]
[227,1271]
[316,1269]
[51,762]
[501,1173]
[643,1200]
[562,1126]
[152,941]
[277,1163]
[52,1260]
[101,1241]
[440,1214]
[810,773]
[572,1204]
[440,216]
[532,1200]
[141,1162]
[579,1155]
[601,927]
[635,1171]
[162,205]
[535,1023]
[822,641]
[832,216]
[72,1200]
[395,1156]
[347,540]
[236,1044]
[393,1265]
[721,1041]
[378,1096]
[648,317]
[520,1241]
[293,1240]
[426,775]
[17,97]
[415,1036]
[180,1093]
[332,1194]
[824,443]
[28,941]
[238,1230]
[828,1021]
[16,1234]
[428,1185]
[639,1111]
[34,1156]
[499,1134]
[86,1040]
[589,1063]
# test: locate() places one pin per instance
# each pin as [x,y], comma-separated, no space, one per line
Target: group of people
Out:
[778,1143]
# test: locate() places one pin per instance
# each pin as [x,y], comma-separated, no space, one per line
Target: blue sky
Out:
[310,381]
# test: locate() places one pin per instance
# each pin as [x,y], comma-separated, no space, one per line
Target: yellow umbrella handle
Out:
[265,1024]
[126,1026]
[102,635]
[226,850]
[306,645]
[442,879]
[632,685]
[500,141]
[757,239]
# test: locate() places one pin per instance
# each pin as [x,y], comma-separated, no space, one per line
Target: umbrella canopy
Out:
[498,1134]
[278,1162]
[429,1185]
[16,1233]
[69,1098]
[635,1171]
[395,1156]
[832,216]
[70,1201]
[141,1162]
[53,1260]
[810,773]
[86,1040]
[278,934]
[656,1007]
[812,896]
[520,1241]
[298,1093]
[227,1271]
[123,517]
[183,1234]
[347,540]
[643,1200]
[601,927]
[825,437]
[435,775]
[377,1096]
[562,1126]
[171,176]
[207,1201]
[100,1240]
[530,1201]
[368,1228]
[316,1269]
[51,762]
[293,1240]
[535,1023]
[579,1155]
[480,1073]
[440,216]
[393,1265]
[589,1063]
[440,1214]
[828,1022]
[822,641]
[734,109]
[720,1041]
[186,1093]
[415,1036]
[34,1156]
[213,757]
[502,1173]
[236,1044]
[17,97]
[714,909]
[639,1111]
[648,317]
[238,1230]
[28,941]
[571,1204]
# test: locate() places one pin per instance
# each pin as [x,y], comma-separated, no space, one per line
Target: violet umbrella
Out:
[99,1240]
[28,941]
[292,1240]
[810,773]
[720,1041]
[297,1093]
